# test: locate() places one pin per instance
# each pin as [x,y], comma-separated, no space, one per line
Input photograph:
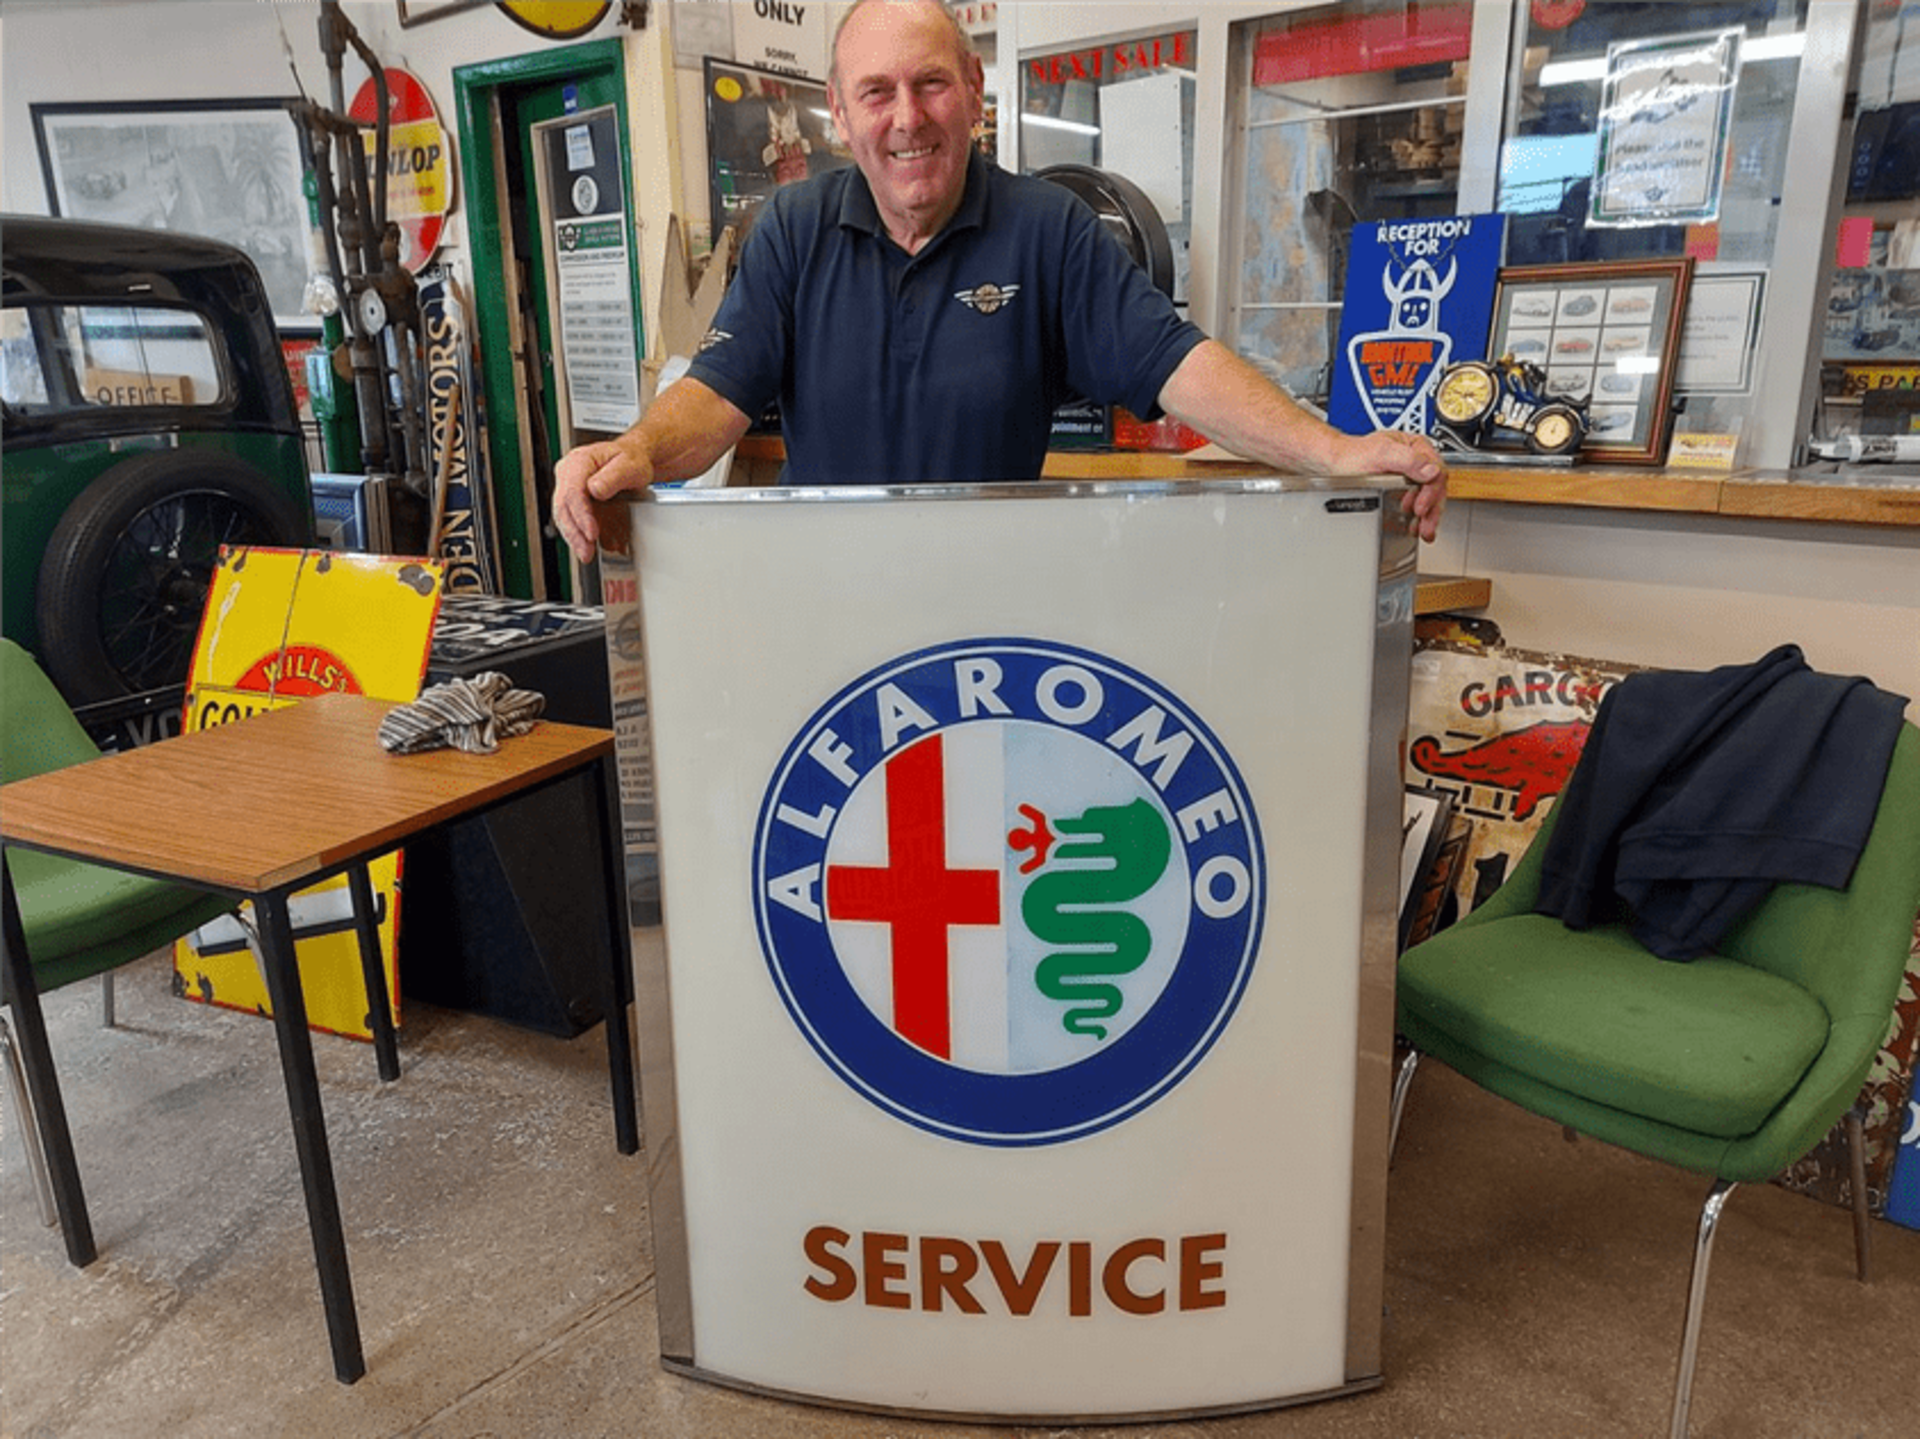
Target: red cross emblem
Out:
[916,895]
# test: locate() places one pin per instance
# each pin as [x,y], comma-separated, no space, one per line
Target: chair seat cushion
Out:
[69,908]
[1711,1046]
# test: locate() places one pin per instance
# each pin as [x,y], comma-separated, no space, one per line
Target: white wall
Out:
[1693,592]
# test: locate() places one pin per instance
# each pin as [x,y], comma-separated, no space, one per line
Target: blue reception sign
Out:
[1419,297]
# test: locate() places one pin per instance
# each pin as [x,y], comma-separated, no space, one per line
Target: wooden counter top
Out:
[1743,493]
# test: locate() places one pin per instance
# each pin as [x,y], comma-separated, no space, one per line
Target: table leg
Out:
[49,1113]
[309,1133]
[379,1009]
[606,796]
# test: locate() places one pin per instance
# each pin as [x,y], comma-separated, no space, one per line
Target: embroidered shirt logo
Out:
[714,337]
[987,298]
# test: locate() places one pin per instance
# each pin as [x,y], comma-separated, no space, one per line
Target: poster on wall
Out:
[788,38]
[764,130]
[1665,110]
[593,269]
[1419,296]
[230,169]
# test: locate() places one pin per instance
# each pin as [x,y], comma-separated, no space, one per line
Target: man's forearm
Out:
[686,429]
[1234,405]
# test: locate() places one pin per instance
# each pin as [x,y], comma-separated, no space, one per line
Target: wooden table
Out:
[259,809]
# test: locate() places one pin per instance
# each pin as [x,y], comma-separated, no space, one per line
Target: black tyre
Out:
[127,568]
[1556,430]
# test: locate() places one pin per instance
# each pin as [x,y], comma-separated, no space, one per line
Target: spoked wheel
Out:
[127,569]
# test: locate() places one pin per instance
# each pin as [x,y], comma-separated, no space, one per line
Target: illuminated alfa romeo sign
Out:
[1010,890]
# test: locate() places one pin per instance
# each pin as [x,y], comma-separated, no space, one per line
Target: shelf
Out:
[1744,494]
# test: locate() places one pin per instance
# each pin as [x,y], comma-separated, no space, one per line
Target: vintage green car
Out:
[149,419]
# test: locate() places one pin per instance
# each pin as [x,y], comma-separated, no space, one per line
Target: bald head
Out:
[962,42]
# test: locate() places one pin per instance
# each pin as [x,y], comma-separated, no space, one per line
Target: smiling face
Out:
[905,98]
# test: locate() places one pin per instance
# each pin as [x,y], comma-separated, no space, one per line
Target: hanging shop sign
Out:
[419,163]
[1109,62]
[1422,32]
[1419,295]
[1665,110]
[592,269]
[557,19]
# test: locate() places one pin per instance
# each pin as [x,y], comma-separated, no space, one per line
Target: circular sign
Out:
[1010,890]
[557,19]
[419,163]
[1557,14]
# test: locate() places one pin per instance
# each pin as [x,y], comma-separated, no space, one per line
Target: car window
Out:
[23,384]
[89,357]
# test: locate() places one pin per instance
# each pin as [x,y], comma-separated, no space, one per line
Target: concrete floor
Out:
[500,1255]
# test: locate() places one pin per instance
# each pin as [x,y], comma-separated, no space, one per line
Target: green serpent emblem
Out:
[1121,851]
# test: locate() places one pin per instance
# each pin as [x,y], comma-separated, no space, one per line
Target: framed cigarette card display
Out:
[1608,334]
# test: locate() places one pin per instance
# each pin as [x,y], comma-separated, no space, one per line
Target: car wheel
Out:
[126,571]
[1556,430]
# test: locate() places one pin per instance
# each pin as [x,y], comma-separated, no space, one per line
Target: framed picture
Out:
[1608,334]
[764,130]
[229,169]
[1720,337]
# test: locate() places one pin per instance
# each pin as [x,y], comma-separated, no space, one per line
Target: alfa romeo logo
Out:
[1010,890]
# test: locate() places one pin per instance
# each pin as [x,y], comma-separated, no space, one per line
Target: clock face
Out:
[1464,394]
[557,19]
[1554,432]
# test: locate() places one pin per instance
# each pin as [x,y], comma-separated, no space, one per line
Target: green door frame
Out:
[476,89]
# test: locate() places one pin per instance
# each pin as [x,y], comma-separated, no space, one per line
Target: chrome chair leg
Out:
[1402,1082]
[1862,1221]
[106,1000]
[29,1130]
[1696,1297]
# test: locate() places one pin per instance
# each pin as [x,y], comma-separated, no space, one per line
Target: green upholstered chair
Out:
[79,920]
[1734,1065]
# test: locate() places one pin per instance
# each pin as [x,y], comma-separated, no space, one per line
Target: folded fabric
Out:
[1699,791]
[467,714]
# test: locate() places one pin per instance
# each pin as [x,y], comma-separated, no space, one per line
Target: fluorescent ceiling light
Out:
[1047,122]
[1766,47]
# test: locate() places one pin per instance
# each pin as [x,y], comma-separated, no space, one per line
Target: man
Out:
[920,316]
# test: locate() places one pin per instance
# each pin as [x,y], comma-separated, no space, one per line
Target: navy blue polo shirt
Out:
[946,365]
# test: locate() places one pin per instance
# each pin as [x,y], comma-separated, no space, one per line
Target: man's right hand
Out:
[583,483]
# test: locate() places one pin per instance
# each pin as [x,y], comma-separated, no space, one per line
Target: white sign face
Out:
[592,270]
[1665,110]
[784,35]
[1014,932]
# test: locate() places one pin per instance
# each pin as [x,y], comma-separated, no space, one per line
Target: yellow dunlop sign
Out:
[419,162]
[281,626]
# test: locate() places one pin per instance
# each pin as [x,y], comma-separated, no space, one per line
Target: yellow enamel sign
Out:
[281,626]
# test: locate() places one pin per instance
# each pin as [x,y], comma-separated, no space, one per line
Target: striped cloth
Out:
[469,714]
